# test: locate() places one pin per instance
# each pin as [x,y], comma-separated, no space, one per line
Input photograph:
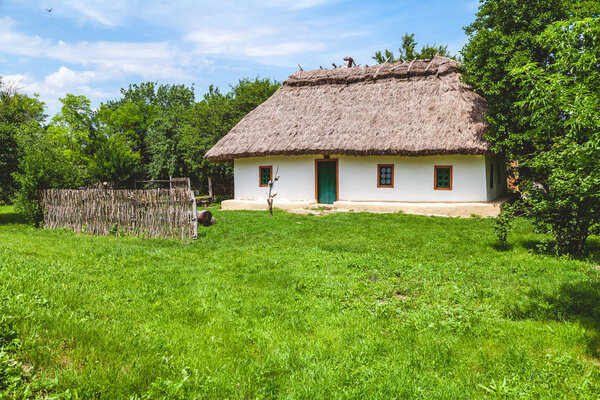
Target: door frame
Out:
[337,178]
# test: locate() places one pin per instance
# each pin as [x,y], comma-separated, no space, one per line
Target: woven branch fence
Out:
[159,213]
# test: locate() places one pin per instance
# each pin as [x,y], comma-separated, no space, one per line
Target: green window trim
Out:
[442,177]
[265,174]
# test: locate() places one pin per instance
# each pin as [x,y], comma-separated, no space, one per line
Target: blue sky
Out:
[95,47]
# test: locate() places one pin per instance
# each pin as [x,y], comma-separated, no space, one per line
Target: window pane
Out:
[265,175]
[385,175]
[442,179]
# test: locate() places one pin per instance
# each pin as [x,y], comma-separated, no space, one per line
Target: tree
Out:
[561,105]
[18,113]
[523,57]
[149,120]
[213,117]
[42,165]
[74,130]
[407,51]
[165,131]
[130,118]
[114,161]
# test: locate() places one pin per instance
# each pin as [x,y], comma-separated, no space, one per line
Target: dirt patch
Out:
[400,296]
[320,210]
[397,296]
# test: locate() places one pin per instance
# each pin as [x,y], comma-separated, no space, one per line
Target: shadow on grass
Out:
[502,247]
[592,250]
[573,301]
[11,218]
[547,247]
[541,246]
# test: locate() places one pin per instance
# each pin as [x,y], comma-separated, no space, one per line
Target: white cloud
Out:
[66,77]
[260,42]
[181,41]
[106,13]
[109,13]
[282,49]
[115,13]
[63,81]
[217,42]
[294,4]
[152,60]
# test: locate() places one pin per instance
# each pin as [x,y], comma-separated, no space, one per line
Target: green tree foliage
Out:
[408,51]
[214,116]
[150,119]
[130,116]
[152,131]
[114,161]
[74,129]
[561,106]
[536,62]
[43,165]
[18,114]
[165,131]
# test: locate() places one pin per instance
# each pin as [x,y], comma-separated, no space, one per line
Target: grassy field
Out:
[338,306]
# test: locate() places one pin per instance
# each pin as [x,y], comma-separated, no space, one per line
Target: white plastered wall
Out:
[413,179]
[296,183]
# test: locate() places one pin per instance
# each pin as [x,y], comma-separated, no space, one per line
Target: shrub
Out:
[503,223]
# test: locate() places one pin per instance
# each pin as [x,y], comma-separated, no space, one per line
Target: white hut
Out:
[391,137]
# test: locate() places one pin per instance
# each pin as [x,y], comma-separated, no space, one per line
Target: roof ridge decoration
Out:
[422,67]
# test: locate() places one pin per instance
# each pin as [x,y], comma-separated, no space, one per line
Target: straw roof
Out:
[410,108]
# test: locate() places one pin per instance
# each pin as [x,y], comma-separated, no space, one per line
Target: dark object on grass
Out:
[205,218]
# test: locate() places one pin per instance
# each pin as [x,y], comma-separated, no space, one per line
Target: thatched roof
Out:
[418,108]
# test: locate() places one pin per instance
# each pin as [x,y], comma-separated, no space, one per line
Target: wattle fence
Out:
[158,213]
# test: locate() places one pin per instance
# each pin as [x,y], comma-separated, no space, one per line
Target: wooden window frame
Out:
[260,167]
[379,166]
[337,178]
[435,168]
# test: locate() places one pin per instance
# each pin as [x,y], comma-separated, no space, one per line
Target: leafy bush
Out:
[42,166]
[503,224]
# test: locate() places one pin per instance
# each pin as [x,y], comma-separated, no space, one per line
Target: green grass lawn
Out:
[376,306]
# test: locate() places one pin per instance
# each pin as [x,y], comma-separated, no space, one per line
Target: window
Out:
[492,175]
[385,175]
[443,177]
[265,175]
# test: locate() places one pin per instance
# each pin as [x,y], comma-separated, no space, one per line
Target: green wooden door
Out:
[326,182]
